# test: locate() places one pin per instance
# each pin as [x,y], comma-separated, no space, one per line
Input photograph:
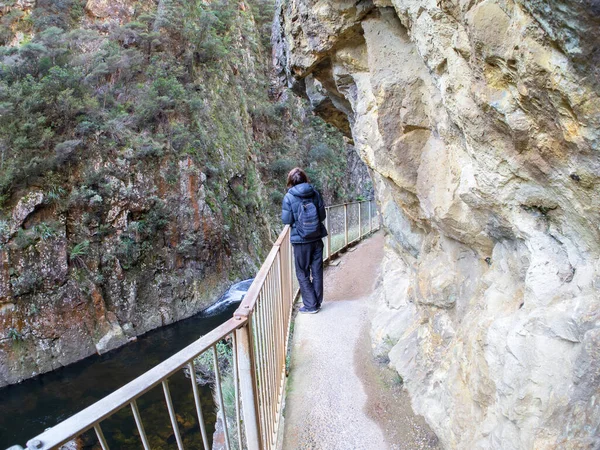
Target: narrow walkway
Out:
[338,396]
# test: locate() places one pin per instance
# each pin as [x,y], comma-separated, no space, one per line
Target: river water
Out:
[28,408]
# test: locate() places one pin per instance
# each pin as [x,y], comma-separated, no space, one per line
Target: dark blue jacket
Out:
[289,209]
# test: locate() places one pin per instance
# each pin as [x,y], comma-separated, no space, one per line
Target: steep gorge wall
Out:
[480,123]
[142,166]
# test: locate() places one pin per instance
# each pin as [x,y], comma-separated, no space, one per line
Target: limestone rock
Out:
[480,123]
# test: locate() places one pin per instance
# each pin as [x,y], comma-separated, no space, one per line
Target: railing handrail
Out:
[255,356]
[348,203]
[103,408]
[251,296]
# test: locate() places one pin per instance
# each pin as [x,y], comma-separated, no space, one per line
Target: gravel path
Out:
[339,397]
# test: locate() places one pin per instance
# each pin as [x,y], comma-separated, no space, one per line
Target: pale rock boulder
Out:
[114,338]
[109,9]
[26,205]
[480,122]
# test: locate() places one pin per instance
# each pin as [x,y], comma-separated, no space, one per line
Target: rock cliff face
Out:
[142,167]
[480,122]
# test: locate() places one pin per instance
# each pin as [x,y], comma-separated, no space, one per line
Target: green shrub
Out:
[264,11]
[80,250]
[14,334]
[276,197]
[282,166]
[128,251]
[54,194]
[321,153]
[165,95]
[25,238]
[187,247]
[206,28]
[44,231]
[33,310]
[158,217]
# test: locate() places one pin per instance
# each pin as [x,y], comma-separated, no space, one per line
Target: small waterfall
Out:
[234,294]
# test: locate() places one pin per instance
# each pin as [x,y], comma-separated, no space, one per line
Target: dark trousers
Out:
[309,261]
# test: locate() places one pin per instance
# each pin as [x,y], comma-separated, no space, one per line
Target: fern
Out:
[80,249]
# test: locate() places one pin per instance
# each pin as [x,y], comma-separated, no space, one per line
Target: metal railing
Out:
[348,223]
[258,334]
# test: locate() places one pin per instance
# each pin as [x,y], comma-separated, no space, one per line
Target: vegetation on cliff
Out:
[142,163]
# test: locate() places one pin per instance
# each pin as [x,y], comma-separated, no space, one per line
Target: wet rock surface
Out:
[480,122]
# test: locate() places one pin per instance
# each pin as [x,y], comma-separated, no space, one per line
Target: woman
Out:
[304,211]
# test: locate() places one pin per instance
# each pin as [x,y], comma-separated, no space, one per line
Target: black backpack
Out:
[308,224]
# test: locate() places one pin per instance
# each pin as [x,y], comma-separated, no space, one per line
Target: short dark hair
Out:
[296,176]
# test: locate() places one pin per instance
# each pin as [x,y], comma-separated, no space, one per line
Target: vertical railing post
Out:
[282,302]
[345,225]
[248,386]
[328,235]
[359,222]
[291,266]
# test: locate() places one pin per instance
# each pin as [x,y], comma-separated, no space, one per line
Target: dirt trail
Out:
[339,397]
